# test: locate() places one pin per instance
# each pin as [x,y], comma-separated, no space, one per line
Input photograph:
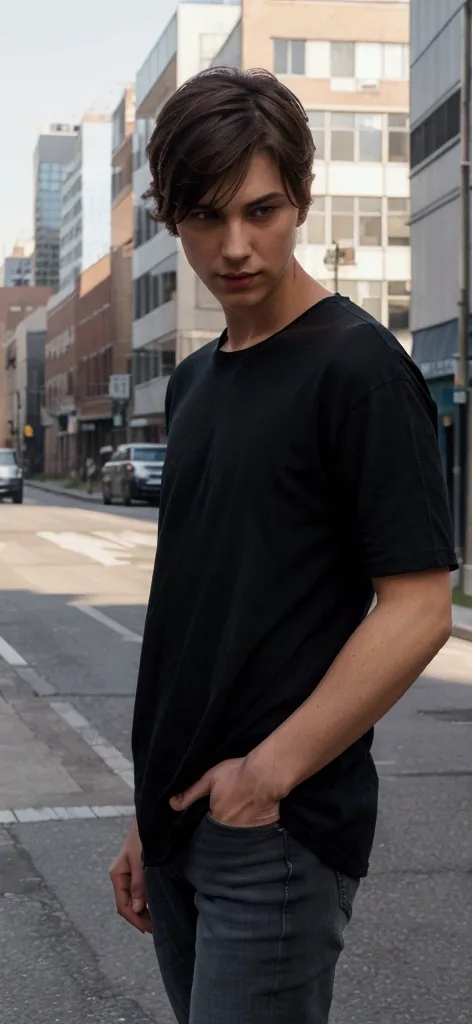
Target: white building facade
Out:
[173,313]
[436,32]
[86,200]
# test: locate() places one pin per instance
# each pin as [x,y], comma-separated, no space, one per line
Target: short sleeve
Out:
[390,477]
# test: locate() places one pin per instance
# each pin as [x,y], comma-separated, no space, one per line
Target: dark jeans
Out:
[248,926]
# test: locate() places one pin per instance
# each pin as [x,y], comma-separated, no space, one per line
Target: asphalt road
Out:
[74,581]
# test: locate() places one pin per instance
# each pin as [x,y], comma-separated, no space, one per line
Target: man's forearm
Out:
[379,663]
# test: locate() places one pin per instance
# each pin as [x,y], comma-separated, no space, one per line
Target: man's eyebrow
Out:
[254,202]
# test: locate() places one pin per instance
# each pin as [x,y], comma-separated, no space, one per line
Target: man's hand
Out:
[127,876]
[238,795]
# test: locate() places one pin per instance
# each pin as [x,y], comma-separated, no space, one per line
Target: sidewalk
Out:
[51,487]
[462,622]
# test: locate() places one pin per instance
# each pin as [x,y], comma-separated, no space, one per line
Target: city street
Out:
[74,581]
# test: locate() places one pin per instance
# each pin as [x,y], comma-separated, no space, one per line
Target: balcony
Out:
[149,399]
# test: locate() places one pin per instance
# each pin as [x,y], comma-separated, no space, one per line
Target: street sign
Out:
[460,396]
[119,386]
[29,432]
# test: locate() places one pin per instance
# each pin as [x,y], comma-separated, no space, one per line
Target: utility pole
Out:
[337,255]
[462,525]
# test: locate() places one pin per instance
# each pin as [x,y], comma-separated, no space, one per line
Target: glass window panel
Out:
[398,222]
[316,120]
[369,60]
[280,56]
[398,121]
[348,288]
[343,60]
[341,120]
[342,145]
[398,314]
[370,137]
[343,204]
[398,147]
[370,204]
[343,228]
[298,56]
[393,61]
[370,230]
[316,222]
[398,288]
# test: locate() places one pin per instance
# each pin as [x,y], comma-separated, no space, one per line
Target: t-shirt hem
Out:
[437,558]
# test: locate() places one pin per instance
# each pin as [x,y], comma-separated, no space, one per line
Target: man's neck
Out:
[294,294]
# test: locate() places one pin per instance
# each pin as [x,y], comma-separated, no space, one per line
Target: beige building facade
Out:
[348,62]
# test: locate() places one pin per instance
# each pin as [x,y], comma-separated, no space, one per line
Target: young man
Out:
[302,477]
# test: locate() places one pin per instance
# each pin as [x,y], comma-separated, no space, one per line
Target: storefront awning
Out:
[435,349]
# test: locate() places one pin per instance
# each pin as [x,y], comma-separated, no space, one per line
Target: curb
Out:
[63,492]
[462,632]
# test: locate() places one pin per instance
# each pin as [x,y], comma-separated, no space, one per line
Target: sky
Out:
[56,62]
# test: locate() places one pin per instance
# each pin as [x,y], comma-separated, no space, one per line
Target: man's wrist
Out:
[270,771]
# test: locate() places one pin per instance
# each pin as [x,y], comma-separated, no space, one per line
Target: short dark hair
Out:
[211,128]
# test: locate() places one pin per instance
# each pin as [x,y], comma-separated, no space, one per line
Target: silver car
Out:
[134,473]
[11,476]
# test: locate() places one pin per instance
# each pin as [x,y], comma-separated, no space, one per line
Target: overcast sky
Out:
[56,61]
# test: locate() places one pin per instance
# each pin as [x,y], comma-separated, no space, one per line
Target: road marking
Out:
[105,620]
[104,552]
[128,538]
[113,758]
[9,654]
[33,815]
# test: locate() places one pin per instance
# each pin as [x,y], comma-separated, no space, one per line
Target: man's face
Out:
[240,251]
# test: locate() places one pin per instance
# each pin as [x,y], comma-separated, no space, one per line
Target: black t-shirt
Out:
[297,470]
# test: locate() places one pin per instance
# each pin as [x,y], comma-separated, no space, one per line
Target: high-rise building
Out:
[173,313]
[85,219]
[54,151]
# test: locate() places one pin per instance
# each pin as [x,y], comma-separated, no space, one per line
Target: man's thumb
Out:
[196,792]
[138,897]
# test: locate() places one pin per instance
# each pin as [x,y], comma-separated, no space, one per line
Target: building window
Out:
[343,60]
[398,221]
[398,305]
[152,290]
[370,137]
[342,137]
[348,288]
[317,122]
[370,221]
[167,362]
[398,138]
[357,221]
[370,297]
[343,220]
[439,128]
[396,58]
[289,56]
[316,221]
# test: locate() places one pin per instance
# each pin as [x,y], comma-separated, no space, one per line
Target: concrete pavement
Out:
[73,589]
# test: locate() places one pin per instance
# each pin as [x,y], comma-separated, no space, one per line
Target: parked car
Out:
[134,473]
[11,476]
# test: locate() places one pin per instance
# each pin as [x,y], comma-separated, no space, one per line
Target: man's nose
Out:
[236,242]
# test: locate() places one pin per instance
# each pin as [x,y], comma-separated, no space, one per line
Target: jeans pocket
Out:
[244,830]
[347,888]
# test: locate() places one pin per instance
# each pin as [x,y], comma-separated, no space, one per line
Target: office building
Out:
[24,380]
[85,217]
[173,313]
[436,70]
[123,121]
[349,65]
[17,270]
[16,304]
[54,151]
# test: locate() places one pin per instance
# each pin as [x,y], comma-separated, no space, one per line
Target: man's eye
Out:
[204,215]
[263,211]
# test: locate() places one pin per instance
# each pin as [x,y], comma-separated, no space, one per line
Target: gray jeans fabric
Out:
[248,927]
